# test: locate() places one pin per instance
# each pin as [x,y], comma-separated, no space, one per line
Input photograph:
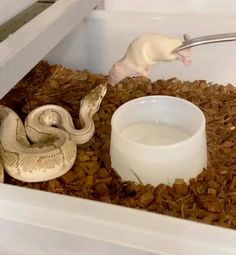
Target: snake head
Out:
[93,100]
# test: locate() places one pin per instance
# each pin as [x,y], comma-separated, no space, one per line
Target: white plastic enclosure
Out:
[10,8]
[44,223]
[25,48]
[214,7]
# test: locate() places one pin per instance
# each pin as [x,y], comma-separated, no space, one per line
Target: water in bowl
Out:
[155,133]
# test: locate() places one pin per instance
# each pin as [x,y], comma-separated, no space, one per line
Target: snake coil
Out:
[52,149]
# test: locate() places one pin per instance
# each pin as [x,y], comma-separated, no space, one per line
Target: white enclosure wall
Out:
[173,6]
[25,239]
[27,46]
[10,8]
[104,37]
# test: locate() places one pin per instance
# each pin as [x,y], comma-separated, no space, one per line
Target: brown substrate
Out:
[209,198]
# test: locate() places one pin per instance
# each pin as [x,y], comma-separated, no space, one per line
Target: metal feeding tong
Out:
[189,43]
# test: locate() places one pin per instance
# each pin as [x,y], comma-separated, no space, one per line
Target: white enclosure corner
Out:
[22,50]
[10,8]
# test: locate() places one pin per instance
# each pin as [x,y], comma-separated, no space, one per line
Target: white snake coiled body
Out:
[54,139]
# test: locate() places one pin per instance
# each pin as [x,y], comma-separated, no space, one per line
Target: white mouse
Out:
[146,50]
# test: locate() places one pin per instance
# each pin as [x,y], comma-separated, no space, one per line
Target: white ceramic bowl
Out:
[156,139]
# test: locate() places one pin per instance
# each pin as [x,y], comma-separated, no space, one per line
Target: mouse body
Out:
[144,51]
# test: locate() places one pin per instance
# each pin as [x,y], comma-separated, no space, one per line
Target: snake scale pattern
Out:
[45,146]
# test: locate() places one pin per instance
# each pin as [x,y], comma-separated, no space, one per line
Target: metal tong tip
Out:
[217,38]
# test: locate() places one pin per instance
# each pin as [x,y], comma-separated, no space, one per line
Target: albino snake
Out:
[54,139]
